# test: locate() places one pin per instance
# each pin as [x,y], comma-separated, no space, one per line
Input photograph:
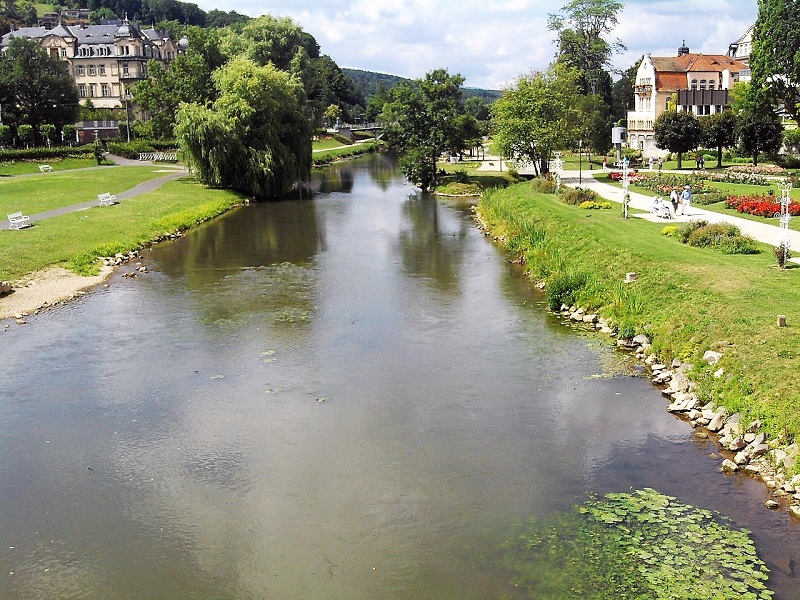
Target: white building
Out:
[689,82]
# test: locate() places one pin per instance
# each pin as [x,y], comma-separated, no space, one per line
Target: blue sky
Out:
[491,42]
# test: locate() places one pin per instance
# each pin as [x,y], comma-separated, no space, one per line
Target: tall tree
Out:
[256,137]
[774,59]
[759,132]
[677,132]
[538,115]
[719,131]
[35,88]
[582,27]
[424,122]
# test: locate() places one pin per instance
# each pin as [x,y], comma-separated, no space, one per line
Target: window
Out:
[702,84]
[101,69]
[694,84]
[125,70]
[105,90]
[711,84]
[82,90]
[79,70]
[63,52]
[92,91]
[92,70]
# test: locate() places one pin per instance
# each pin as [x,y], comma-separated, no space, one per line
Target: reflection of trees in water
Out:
[335,178]
[432,246]
[252,236]
[383,170]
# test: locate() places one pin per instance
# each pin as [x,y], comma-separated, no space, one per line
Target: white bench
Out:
[45,169]
[106,199]
[17,221]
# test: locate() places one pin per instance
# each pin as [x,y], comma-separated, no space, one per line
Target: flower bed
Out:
[760,206]
[758,170]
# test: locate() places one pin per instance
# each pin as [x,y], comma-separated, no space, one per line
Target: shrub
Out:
[782,254]
[724,237]
[591,204]
[685,230]
[461,176]
[670,231]
[708,198]
[575,196]
[544,185]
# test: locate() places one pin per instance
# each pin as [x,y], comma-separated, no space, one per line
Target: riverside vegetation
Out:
[687,300]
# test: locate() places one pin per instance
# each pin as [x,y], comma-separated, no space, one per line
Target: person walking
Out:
[673,198]
[660,163]
[686,199]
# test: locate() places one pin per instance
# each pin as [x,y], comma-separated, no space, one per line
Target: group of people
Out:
[682,199]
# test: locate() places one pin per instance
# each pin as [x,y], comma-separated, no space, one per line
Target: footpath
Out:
[142,188]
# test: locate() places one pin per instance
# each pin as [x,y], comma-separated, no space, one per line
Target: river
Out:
[351,397]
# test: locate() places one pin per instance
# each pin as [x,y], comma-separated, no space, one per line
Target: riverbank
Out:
[685,301]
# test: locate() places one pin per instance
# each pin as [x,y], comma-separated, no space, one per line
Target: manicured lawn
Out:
[21,167]
[75,239]
[46,191]
[325,144]
[686,299]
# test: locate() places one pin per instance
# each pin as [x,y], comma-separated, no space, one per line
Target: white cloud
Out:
[491,42]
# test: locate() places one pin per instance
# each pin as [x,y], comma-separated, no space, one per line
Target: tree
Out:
[538,115]
[5,135]
[477,107]
[677,132]
[719,131]
[332,114]
[581,27]
[69,133]
[759,132]
[34,87]
[773,59]
[48,131]
[255,138]
[25,134]
[422,116]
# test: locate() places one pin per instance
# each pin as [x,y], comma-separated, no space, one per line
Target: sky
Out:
[491,42]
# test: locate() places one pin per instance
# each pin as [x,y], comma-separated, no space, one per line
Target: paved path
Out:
[142,188]
[763,232]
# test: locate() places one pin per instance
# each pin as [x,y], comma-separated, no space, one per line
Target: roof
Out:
[697,62]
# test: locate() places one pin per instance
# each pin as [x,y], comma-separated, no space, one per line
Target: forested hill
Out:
[369,82]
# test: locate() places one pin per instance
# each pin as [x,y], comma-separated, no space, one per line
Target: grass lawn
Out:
[478,181]
[686,299]
[325,144]
[46,191]
[74,240]
[22,167]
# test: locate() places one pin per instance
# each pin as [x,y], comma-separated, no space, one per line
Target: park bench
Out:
[107,199]
[17,220]
[45,169]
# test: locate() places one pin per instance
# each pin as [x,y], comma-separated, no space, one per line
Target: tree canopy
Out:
[423,117]
[538,115]
[677,132]
[256,137]
[35,88]
[774,60]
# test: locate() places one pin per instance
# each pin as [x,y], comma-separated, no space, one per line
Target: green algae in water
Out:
[635,545]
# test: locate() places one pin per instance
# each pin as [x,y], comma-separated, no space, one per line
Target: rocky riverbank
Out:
[743,446]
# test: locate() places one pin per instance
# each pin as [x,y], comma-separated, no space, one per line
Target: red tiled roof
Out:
[671,70]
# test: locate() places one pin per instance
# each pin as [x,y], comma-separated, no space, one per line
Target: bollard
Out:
[781,320]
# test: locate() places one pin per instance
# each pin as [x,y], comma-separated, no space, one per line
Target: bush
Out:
[685,230]
[670,231]
[461,176]
[708,198]
[544,185]
[724,237]
[590,204]
[782,254]
[576,196]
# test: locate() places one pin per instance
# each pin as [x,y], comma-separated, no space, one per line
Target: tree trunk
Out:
[680,160]
[755,159]
[719,157]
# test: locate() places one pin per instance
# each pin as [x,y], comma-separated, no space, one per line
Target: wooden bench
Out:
[106,199]
[45,169]
[17,220]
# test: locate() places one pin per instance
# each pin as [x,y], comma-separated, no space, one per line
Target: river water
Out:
[351,397]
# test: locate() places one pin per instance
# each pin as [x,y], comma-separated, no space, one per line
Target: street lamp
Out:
[580,162]
[127,97]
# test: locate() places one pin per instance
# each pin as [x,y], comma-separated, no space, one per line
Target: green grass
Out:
[20,167]
[325,144]
[324,157]
[47,191]
[685,299]
[75,239]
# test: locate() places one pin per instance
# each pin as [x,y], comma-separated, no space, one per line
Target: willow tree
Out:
[255,137]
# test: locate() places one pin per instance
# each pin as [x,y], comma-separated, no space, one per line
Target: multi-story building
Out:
[691,82]
[105,61]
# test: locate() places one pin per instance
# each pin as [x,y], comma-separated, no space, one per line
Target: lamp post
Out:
[580,162]
[127,116]
[786,200]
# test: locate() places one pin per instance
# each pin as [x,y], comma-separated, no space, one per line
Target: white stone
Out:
[711,357]
[729,466]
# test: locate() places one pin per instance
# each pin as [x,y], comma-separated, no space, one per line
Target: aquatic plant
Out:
[642,544]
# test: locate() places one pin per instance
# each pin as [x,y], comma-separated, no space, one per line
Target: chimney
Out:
[683,50]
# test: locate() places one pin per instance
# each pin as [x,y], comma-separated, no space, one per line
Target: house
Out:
[105,61]
[699,83]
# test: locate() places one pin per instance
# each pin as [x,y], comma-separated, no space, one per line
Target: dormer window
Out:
[694,84]
[702,84]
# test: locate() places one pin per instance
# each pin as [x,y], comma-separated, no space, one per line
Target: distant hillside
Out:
[369,82]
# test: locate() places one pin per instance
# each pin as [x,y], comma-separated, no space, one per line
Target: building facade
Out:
[105,61]
[690,82]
